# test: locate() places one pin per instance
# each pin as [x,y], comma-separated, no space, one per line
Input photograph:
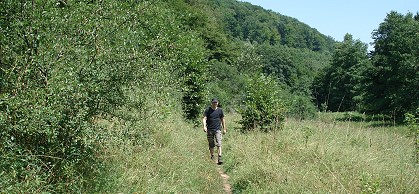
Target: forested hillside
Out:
[245,41]
[68,67]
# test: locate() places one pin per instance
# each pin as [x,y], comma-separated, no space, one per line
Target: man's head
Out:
[214,102]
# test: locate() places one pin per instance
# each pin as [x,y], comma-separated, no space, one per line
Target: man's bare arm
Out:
[204,123]
[223,121]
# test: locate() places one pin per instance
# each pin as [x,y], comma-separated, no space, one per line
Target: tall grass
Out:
[324,155]
[171,157]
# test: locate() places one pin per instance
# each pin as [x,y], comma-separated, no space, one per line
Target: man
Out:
[213,120]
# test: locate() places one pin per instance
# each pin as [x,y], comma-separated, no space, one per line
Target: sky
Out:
[335,18]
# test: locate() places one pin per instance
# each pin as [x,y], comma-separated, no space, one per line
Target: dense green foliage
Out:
[338,87]
[293,68]
[383,82]
[393,81]
[257,25]
[263,108]
[243,39]
[63,65]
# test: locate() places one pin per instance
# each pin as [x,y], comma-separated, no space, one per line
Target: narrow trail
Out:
[226,184]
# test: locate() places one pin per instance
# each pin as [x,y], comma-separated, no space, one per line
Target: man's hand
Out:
[225,131]
[205,129]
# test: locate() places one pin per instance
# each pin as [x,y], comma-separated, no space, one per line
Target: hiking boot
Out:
[220,161]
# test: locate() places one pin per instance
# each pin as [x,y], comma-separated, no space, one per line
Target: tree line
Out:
[384,81]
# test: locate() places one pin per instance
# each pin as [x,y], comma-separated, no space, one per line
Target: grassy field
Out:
[324,155]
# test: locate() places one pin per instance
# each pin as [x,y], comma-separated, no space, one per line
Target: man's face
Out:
[214,104]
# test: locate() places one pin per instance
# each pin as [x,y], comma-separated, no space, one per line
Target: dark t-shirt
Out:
[214,118]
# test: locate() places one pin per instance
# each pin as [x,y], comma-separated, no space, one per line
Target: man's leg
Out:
[211,144]
[219,140]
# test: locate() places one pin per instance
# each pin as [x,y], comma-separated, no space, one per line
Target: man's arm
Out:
[204,123]
[223,122]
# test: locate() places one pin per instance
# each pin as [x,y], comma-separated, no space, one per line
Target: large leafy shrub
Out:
[51,87]
[263,108]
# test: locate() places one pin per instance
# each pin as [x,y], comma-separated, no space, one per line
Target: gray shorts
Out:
[214,135]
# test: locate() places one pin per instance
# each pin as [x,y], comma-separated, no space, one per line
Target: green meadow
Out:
[329,154]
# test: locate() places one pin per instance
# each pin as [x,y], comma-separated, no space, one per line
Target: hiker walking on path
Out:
[213,121]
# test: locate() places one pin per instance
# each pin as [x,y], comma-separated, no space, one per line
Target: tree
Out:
[339,86]
[278,63]
[394,77]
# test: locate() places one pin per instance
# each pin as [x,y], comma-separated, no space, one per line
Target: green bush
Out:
[263,108]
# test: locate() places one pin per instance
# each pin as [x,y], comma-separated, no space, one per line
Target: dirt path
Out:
[226,185]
